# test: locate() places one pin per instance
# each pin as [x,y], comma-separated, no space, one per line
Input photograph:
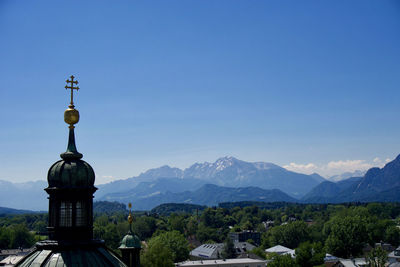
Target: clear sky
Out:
[311,85]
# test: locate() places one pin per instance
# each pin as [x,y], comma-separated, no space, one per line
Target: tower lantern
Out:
[130,245]
[71,187]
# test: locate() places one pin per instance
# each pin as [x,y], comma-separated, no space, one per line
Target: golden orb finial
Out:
[71,115]
[130,217]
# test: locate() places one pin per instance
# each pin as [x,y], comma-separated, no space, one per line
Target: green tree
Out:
[308,255]
[392,235]
[5,238]
[377,257]
[176,222]
[191,226]
[378,209]
[205,233]
[144,227]
[283,260]
[175,242]
[247,225]
[21,237]
[112,236]
[98,231]
[376,229]
[156,255]
[229,249]
[346,235]
[213,218]
[101,220]
[289,235]
[259,252]
[40,226]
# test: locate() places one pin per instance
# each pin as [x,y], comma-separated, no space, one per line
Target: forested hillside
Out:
[321,227]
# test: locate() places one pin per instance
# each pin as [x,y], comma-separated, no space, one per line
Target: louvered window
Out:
[81,216]
[65,214]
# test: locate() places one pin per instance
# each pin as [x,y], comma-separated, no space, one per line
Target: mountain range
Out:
[208,194]
[26,196]
[226,180]
[378,184]
[226,171]
[346,175]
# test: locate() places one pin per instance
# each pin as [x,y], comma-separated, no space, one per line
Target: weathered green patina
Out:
[130,241]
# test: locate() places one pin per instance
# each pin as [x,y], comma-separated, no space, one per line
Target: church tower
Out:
[71,188]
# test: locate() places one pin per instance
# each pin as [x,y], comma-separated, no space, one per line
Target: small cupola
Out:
[130,245]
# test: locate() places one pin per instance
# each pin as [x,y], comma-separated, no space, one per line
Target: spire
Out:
[71,117]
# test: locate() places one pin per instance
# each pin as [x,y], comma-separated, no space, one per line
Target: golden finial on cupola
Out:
[130,217]
[71,115]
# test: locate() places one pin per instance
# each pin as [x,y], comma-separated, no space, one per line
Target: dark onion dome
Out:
[53,253]
[66,173]
[71,171]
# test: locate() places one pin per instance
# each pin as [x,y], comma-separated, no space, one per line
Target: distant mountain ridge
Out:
[329,191]
[229,171]
[226,171]
[208,194]
[234,179]
[25,196]
[9,211]
[346,175]
[378,184]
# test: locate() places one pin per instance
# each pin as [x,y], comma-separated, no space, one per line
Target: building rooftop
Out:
[22,251]
[11,260]
[211,250]
[55,253]
[329,257]
[278,249]
[226,262]
[207,250]
[347,263]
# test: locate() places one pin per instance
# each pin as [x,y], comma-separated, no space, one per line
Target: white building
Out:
[394,256]
[214,251]
[281,250]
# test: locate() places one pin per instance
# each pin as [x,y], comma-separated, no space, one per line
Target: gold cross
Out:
[72,87]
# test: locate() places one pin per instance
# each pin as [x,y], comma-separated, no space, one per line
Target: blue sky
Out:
[311,85]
